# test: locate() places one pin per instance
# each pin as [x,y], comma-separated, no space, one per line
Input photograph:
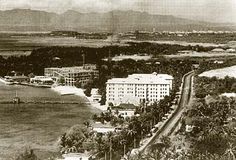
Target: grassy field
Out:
[18,45]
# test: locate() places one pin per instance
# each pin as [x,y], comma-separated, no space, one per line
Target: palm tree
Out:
[109,137]
[124,142]
[105,149]
[122,139]
[166,141]
[155,150]
[102,146]
[87,124]
[132,134]
[230,152]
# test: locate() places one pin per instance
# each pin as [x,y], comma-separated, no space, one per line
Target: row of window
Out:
[140,93]
[139,85]
[112,88]
[152,98]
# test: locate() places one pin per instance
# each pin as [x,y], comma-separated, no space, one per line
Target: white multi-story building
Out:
[71,75]
[142,87]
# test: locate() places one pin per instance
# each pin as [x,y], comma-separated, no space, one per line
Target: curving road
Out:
[172,122]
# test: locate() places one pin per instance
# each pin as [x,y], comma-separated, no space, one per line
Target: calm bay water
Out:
[37,125]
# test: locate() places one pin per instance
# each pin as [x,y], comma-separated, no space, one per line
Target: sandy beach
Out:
[71,90]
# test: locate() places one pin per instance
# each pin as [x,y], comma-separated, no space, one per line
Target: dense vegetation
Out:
[214,86]
[190,37]
[28,154]
[206,65]
[116,144]
[214,128]
[72,56]
[213,135]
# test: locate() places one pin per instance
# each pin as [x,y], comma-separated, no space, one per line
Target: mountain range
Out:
[114,21]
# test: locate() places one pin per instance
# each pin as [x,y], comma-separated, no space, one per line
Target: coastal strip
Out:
[71,90]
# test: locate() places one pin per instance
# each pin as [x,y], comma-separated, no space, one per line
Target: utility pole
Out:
[83,55]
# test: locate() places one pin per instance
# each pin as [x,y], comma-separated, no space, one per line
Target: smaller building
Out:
[189,125]
[77,156]
[96,97]
[18,79]
[218,62]
[124,110]
[99,127]
[42,80]
[231,50]
[195,66]
[218,50]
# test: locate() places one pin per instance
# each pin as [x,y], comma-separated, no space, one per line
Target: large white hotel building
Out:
[138,87]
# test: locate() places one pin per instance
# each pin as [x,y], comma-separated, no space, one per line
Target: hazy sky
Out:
[208,10]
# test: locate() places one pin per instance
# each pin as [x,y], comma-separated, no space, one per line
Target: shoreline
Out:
[70,90]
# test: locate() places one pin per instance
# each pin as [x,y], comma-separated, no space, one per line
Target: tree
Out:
[61,80]
[102,146]
[28,154]
[110,137]
[78,84]
[155,151]
[132,134]
[123,140]
[87,124]
[166,142]
[124,143]
[72,140]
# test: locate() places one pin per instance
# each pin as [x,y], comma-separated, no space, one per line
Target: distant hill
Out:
[115,21]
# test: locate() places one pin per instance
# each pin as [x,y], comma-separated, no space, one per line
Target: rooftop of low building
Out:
[101,125]
[124,106]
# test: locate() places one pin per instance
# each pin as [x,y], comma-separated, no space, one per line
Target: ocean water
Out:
[37,126]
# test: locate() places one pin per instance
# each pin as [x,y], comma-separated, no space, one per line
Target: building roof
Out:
[124,106]
[188,121]
[165,76]
[75,155]
[101,125]
[75,69]
[19,77]
[42,78]
[218,50]
[143,79]
[230,50]
[94,91]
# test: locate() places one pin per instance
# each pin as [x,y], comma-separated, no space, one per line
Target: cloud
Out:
[209,10]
